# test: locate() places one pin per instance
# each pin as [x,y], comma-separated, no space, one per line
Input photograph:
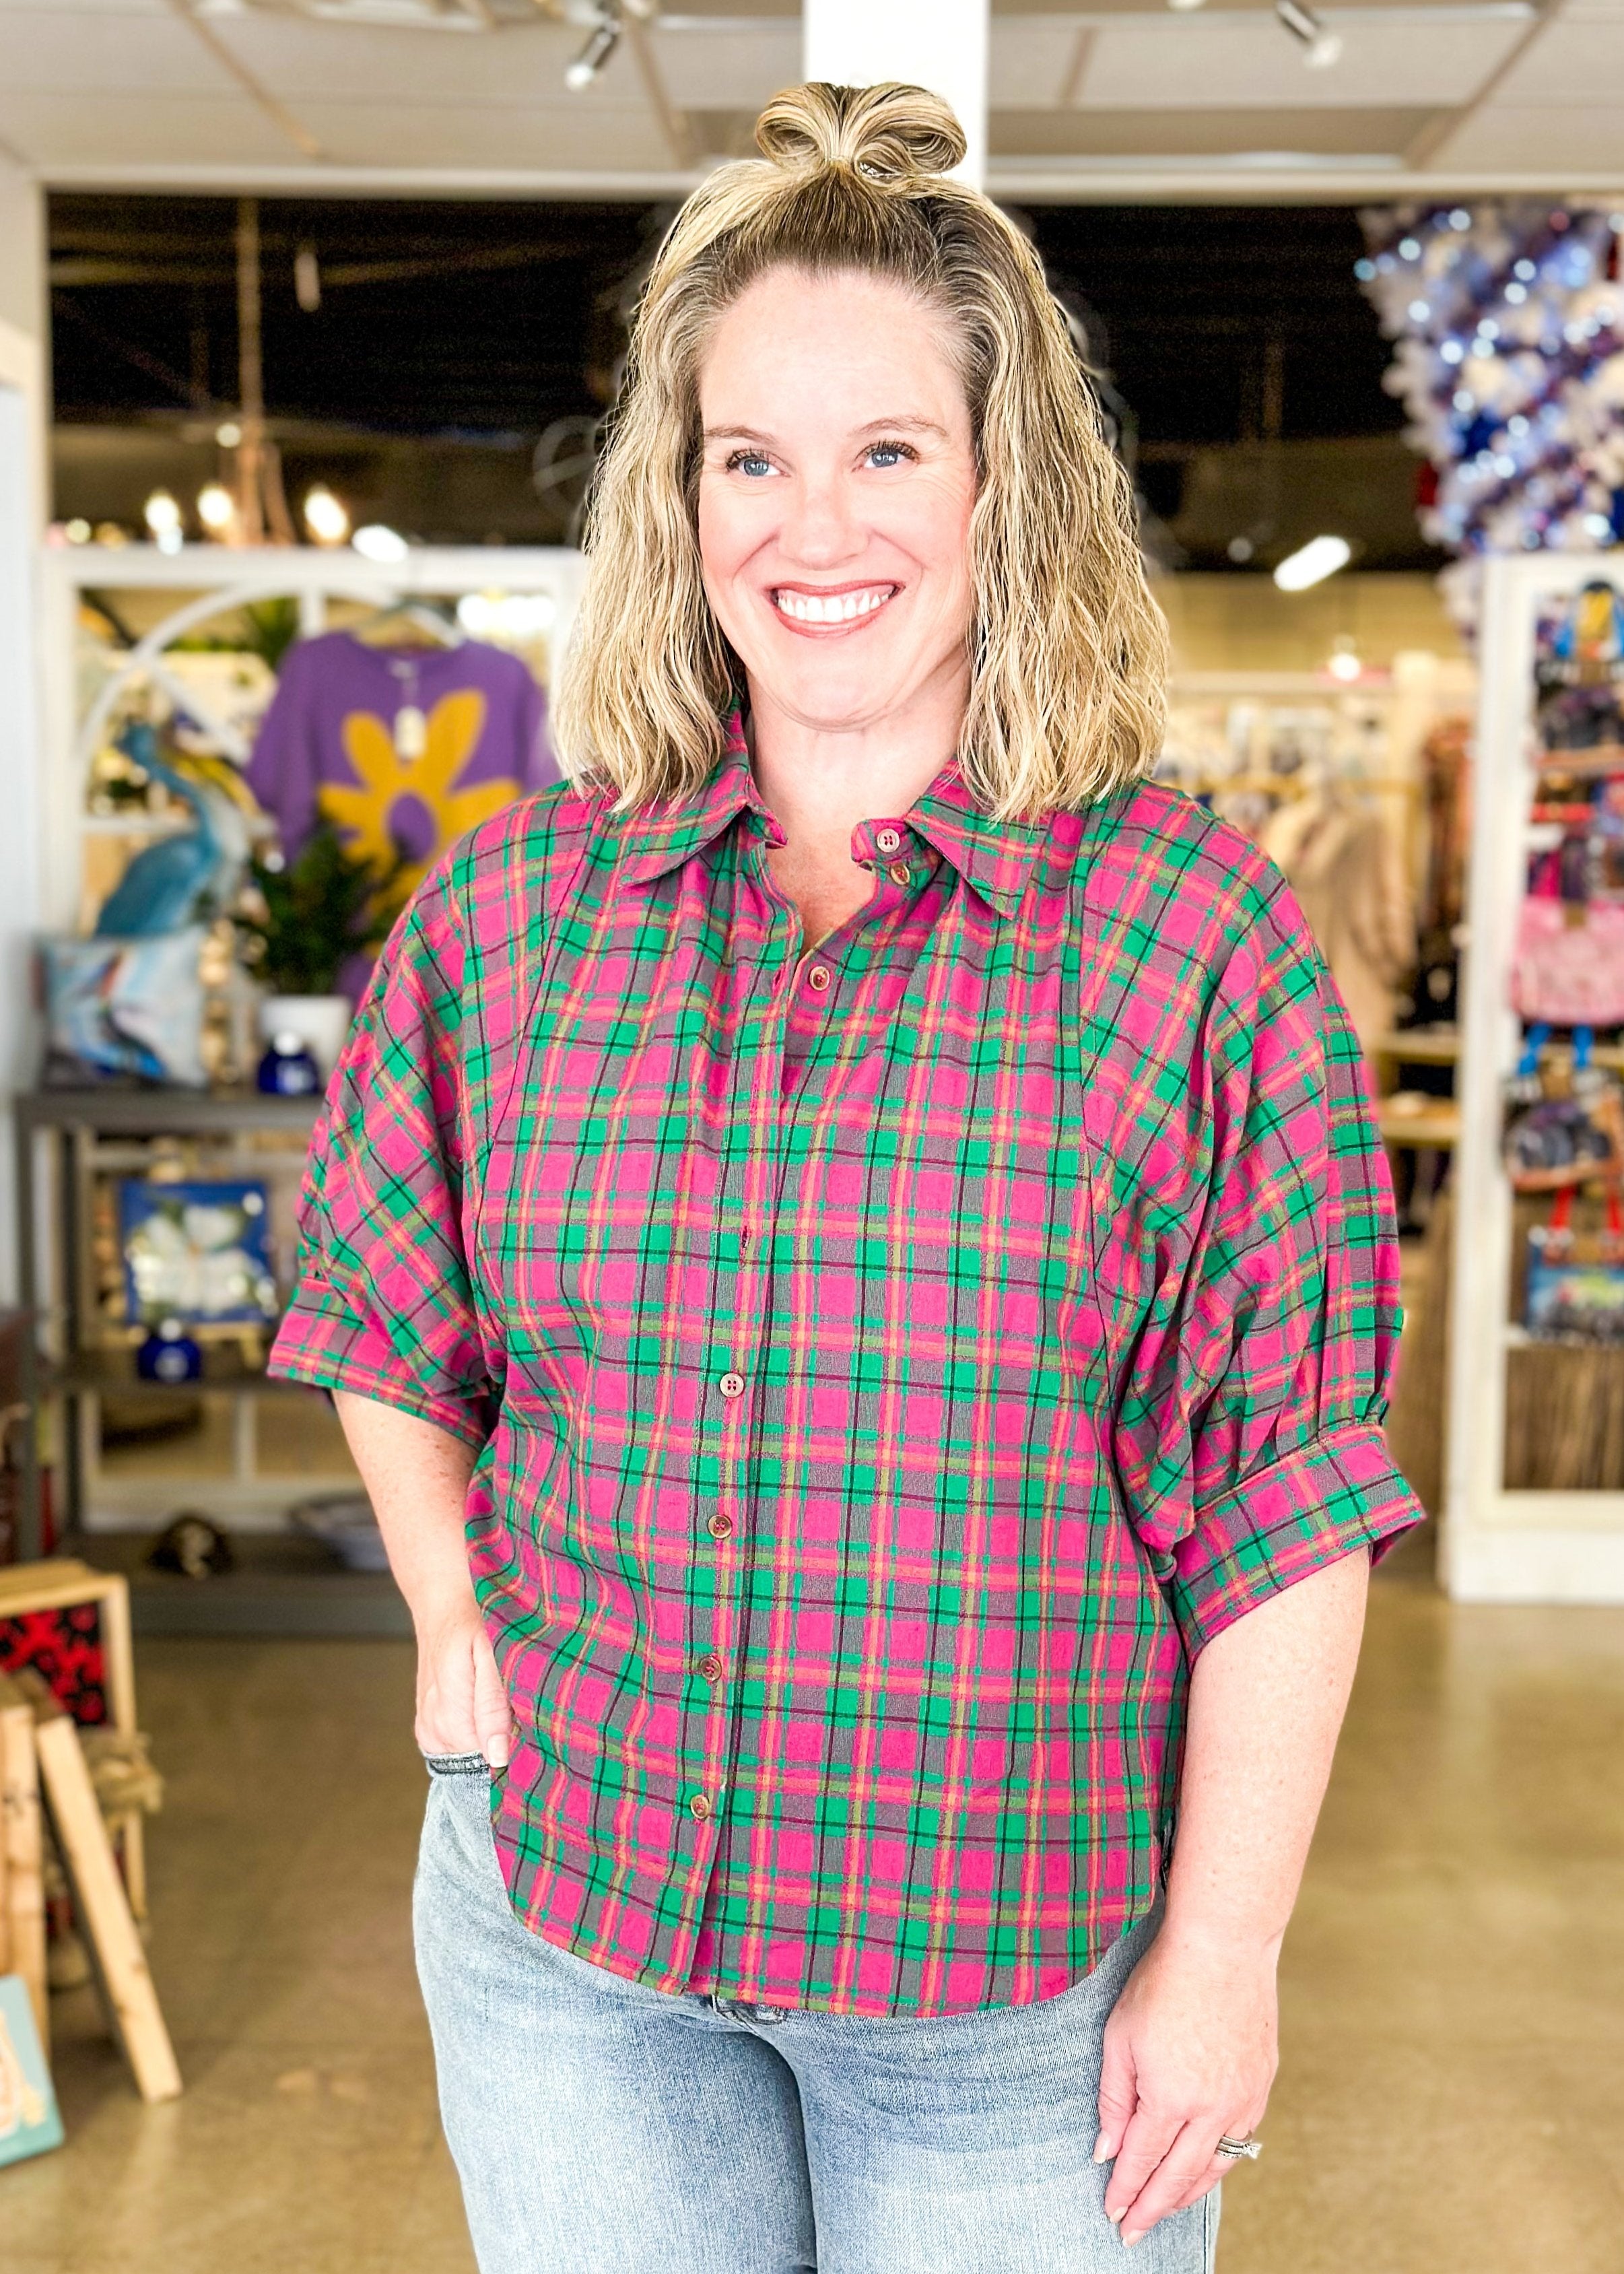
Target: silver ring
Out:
[1232,2151]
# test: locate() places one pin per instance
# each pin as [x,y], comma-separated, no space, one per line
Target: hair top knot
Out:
[891,134]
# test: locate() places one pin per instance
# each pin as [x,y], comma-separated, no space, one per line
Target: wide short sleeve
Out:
[383,1303]
[1248,1431]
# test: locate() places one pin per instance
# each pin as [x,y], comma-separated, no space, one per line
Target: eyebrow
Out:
[904,426]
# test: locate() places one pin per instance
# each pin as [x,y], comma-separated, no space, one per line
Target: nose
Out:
[821,530]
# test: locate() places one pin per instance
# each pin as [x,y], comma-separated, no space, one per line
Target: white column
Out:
[25,429]
[940,44]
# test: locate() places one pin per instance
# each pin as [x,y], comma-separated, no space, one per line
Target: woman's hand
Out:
[1190,2055]
[1190,2049]
[462,1705]
[416,1478]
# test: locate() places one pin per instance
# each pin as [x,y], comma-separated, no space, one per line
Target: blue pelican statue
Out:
[164,887]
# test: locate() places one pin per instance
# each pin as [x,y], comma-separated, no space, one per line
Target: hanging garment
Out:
[1346,868]
[402,749]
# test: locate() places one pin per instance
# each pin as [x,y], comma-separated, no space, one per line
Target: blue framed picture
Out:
[29,2123]
[199,1252]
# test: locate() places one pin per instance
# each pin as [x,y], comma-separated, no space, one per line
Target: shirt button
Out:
[699,1807]
[889,841]
[710,1666]
[732,1385]
[817,978]
[899,872]
[720,1526]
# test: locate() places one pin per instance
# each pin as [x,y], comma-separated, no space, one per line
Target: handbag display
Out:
[1568,964]
[1575,1280]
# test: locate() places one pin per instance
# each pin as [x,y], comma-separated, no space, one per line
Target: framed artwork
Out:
[199,1252]
[128,1010]
[29,2123]
[70,1624]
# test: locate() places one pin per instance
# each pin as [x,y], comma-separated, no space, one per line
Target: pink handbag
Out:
[1567,968]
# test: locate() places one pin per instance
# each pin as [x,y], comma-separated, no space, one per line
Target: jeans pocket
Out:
[456,1765]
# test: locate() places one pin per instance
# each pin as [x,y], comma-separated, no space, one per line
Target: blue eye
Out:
[885,455]
[750,462]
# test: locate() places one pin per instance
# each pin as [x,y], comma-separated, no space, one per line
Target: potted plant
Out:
[319,913]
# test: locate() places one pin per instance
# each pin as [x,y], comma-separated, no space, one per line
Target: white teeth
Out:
[832,607]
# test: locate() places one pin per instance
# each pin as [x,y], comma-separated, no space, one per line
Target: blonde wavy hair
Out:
[1068,659]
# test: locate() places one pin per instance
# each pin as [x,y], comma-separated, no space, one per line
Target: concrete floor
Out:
[1452,2099]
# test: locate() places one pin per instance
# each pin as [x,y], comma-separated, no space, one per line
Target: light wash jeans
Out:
[601,2128]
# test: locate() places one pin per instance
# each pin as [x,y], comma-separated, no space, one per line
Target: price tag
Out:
[411,732]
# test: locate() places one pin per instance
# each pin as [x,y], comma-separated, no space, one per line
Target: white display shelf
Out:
[1499,1545]
[211,581]
[206,583]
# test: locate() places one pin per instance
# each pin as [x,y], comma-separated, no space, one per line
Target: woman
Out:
[857,1275]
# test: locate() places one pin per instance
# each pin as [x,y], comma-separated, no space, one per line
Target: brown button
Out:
[889,841]
[699,1807]
[720,1526]
[817,978]
[709,1665]
[732,1385]
[899,872]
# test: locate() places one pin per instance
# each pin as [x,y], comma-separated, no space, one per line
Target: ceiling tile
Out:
[1570,62]
[1033,64]
[59,131]
[1560,141]
[1191,133]
[716,67]
[52,51]
[83,8]
[296,56]
[485,137]
[1227,60]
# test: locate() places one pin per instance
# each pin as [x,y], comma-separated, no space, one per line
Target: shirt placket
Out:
[786,979]
[746,1218]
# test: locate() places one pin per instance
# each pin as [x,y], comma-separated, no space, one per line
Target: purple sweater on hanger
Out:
[401,749]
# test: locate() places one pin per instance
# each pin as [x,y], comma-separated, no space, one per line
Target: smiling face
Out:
[835,497]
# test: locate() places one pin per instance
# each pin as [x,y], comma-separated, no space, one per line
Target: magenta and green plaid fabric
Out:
[891,1364]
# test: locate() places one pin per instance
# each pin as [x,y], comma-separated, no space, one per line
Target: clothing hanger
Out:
[444,631]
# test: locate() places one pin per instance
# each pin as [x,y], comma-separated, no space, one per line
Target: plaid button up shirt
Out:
[889,1365]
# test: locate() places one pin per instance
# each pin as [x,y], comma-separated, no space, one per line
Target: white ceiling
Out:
[1125,98]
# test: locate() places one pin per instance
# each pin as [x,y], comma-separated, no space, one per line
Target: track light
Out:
[1321,45]
[1313,563]
[216,508]
[326,516]
[601,43]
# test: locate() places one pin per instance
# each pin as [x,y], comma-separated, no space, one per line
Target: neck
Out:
[819,782]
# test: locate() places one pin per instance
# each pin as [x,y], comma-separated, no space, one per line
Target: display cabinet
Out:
[1508,1537]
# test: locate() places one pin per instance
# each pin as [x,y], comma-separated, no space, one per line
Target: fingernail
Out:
[1115,2214]
[496,1754]
[1102,2149]
[1138,2235]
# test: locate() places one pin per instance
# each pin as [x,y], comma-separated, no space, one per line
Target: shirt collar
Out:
[662,838]
[995,857]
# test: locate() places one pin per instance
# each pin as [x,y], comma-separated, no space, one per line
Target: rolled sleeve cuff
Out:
[1320,1503]
[324,1340]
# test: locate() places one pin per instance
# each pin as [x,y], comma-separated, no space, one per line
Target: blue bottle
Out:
[288,1070]
[169,1354]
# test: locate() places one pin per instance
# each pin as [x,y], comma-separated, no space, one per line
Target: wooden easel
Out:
[59,1584]
[40,1757]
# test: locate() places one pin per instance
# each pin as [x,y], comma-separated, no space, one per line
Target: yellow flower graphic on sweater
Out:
[362,815]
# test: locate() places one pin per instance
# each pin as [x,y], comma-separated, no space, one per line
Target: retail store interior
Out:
[311,315]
